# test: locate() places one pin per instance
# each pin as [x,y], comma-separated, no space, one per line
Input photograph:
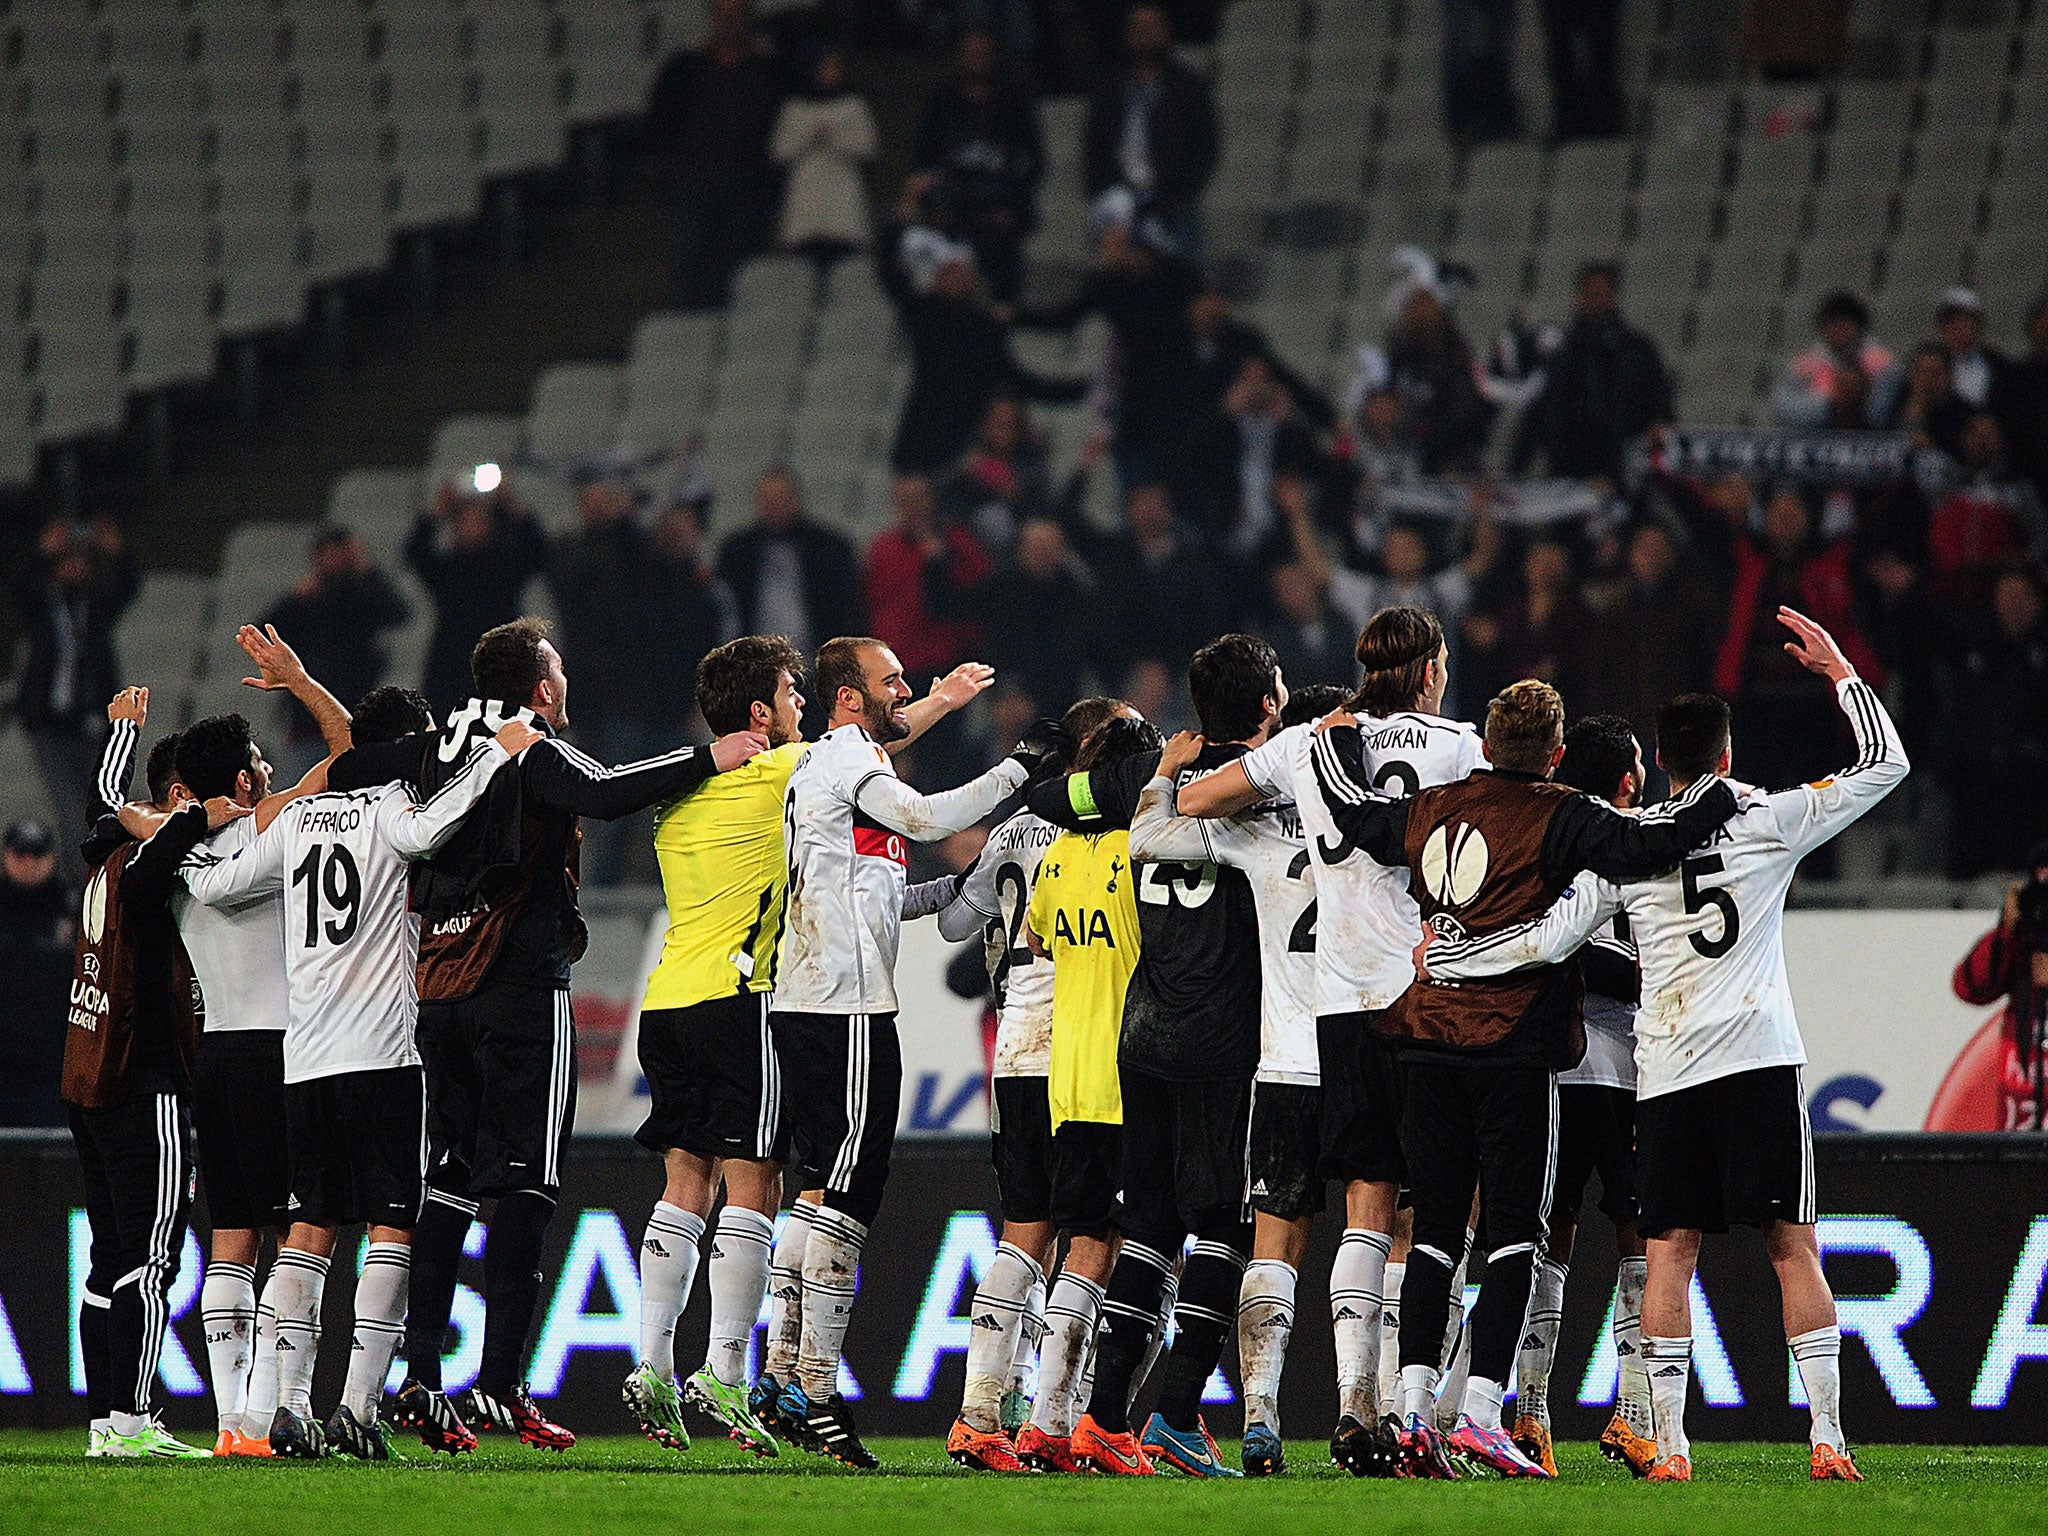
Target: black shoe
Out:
[765,1400]
[348,1435]
[1383,1455]
[427,1411]
[296,1436]
[516,1411]
[1350,1445]
[829,1431]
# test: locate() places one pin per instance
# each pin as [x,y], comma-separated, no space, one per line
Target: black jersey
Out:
[1191,1013]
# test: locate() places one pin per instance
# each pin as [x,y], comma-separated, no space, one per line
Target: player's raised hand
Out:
[277,663]
[728,752]
[1182,750]
[129,704]
[961,686]
[1814,648]
[220,810]
[515,736]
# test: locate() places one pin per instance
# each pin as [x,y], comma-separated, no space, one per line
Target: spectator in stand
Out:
[789,575]
[1656,641]
[1478,71]
[1988,519]
[1977,373]
[709,118]
[38,921]
[920,570]
[1543,631]
[1997,743]
[1004,479]
[1373,452]
[69,592]
[2026,404]
[1583,44]
[1314,645]
[1427,365]
[685,613]
[1236,462]
[1604,386]
[1932,412]
[1168,598]
[978,140]
[336,617]
[1223,344]
[1039,615]
[959,350]
[1152,131]
[1785,730]
[474,551]
[1847,377]
[2011,963]
[823,136]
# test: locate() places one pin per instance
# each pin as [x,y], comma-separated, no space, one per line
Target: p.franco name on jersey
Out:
[333,820]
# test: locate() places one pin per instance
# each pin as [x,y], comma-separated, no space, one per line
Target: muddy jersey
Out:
[995,900]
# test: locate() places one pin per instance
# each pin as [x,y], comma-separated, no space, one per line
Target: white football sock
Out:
[1539,1343]
[1390,1340]
[1482,1401]
[1669,1362]
[786,1292]
[227,1310]
[1418,1393]
[995,1320]
[261,1406]
[1084,1386]
[380,1326]
[1022,1376]
[668,1268]
[1819,1355]
[1265,1321]
[300,1280]
[1072,1313]
[1357,1278]
[831,1277]
[738,1280]
[1632,1383]
[1450,1386]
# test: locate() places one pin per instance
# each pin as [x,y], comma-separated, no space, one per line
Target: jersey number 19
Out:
[329,874]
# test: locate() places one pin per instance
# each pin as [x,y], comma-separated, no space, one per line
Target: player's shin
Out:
[519,1228]
[1539,1342]
[1425,1317]
[831,1276]
[1357,1277]
[300,1280]
[1020,1382]
[1495,1329]
[1202,1316]
[1390,1337]
[996,1318]
[436,1254]
[668,1267]
[1130,1311]
[380,1324]
[1669,1362]
[1632,1395]
[260,1406]
[1818,1354]
[1071,1314]
[227,1310]
[738,1279]
[786,1292]
[1265,1321]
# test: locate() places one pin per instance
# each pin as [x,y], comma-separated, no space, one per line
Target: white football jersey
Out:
[1610,1059]
[994,900]
[1367,923]
[847,821]
[1267,843]
[237,950]
[1711,936]
[351,947]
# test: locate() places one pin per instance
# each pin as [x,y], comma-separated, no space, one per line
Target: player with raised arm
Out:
[1011,1309]
[1287,1182]
[1189,1049]
[715,1114]
[238,1094]
[1488,853]
[1366,921]
[1595,1108]
[847,817]
[355,1095]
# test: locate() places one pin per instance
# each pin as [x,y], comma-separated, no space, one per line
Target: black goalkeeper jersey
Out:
[1191,1013]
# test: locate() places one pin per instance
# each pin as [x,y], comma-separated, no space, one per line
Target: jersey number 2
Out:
[1302,940]
[1698,898]
[341,886]
[1010,880]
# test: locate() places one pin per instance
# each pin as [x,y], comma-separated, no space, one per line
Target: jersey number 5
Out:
[341,886]
[1698,898]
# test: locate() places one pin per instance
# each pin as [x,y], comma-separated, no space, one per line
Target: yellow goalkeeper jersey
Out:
[726,877]
[1084,910]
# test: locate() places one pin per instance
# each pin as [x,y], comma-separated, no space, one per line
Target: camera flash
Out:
[487,478]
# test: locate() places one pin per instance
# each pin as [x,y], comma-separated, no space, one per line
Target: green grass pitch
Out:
[619,1484]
